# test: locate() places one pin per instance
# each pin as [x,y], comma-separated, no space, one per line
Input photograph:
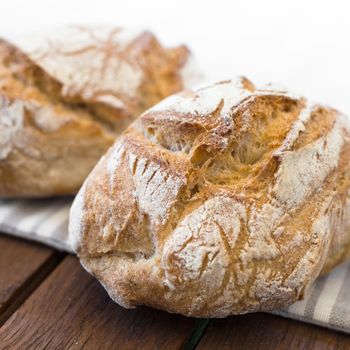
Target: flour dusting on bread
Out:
[74,90]
[11,122]
[243,192]
[88,61]
[306,169]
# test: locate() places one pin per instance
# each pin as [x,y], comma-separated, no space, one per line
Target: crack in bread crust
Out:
[74,91]
[248,201]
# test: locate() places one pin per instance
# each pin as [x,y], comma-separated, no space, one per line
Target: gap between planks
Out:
[197,334]
[29,286]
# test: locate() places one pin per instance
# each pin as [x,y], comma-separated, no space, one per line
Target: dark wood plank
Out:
[70,310]
[263,331]
[22,265]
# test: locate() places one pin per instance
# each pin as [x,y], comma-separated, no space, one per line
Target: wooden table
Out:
[47,301]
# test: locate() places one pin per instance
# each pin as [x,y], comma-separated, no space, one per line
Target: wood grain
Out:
[22,266]
[263,331]
[70,310]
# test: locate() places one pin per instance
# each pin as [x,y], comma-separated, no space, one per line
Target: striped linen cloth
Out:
[42,220]
[327,303]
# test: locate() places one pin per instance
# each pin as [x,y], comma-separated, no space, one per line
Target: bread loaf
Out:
[225,200]
[65,96]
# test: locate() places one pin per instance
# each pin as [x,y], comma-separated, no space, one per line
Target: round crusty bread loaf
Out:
[65,96]
[225,200]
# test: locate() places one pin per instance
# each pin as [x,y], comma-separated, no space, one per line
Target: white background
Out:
[304,45]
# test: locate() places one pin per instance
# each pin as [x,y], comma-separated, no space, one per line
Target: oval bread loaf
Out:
[225,200]
[65,96]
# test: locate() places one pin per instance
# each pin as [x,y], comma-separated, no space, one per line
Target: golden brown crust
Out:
[219,201]
[65,98]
